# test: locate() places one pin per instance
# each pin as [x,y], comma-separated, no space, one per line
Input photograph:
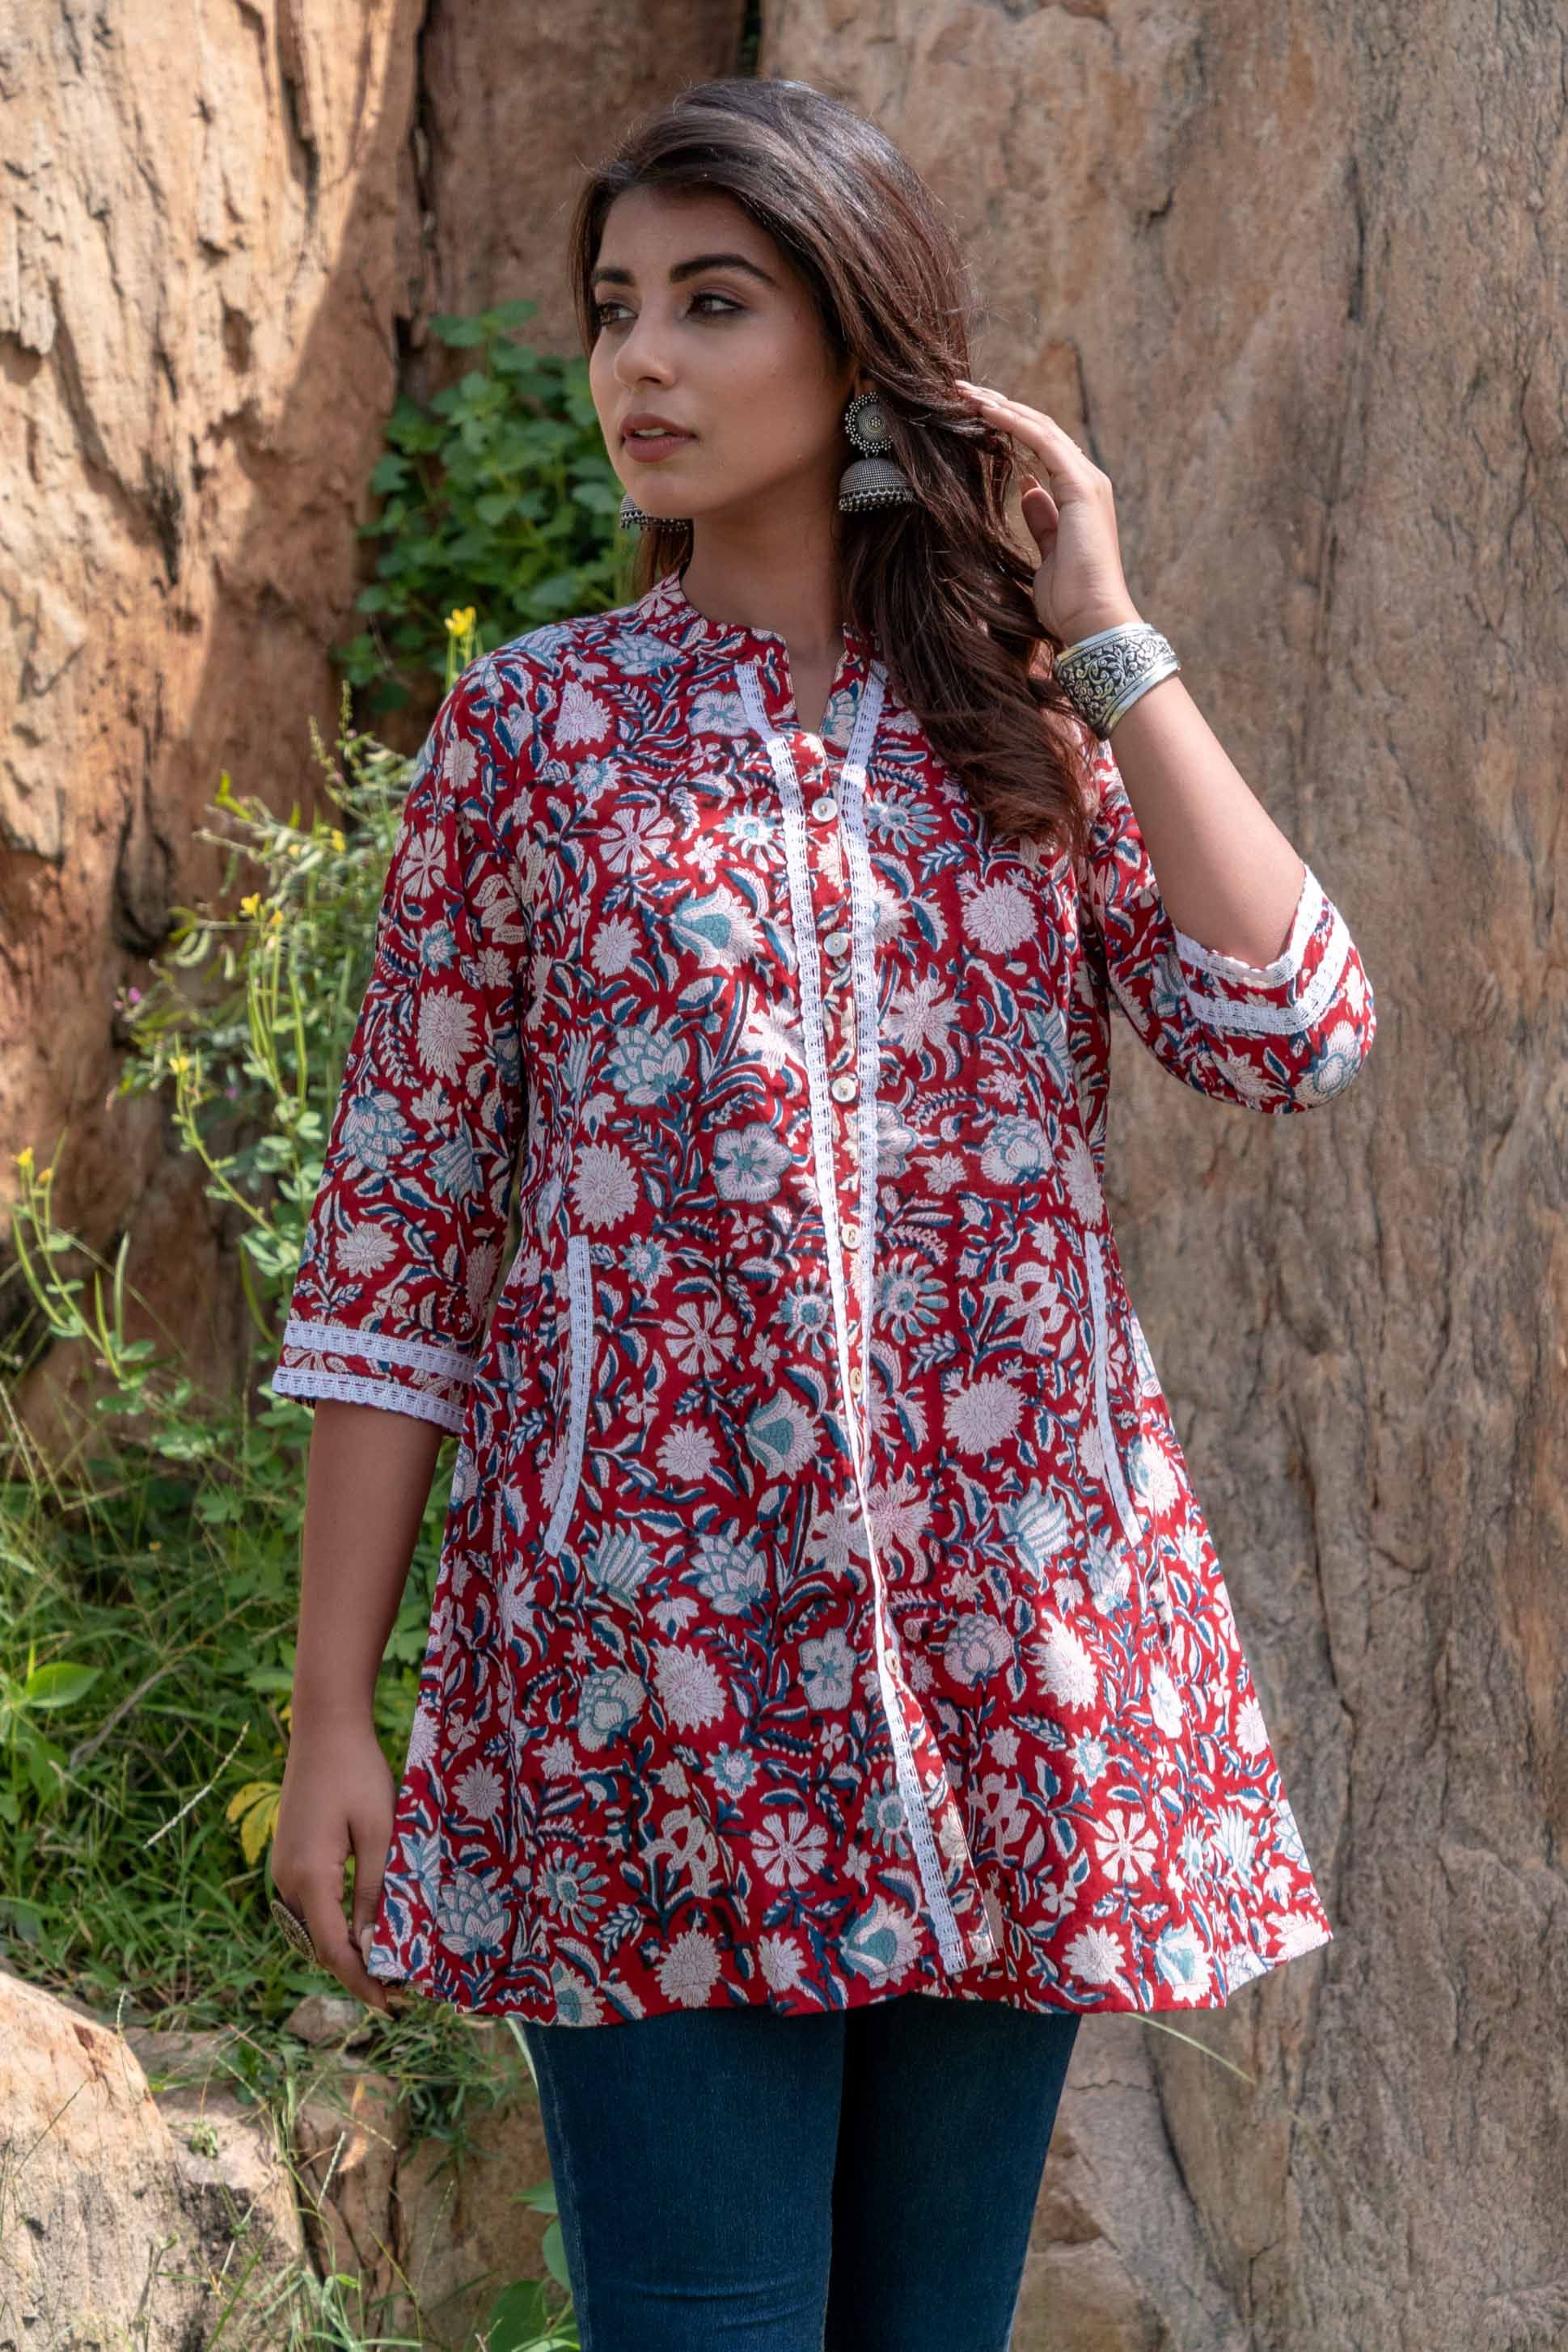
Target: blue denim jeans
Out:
[859,2181]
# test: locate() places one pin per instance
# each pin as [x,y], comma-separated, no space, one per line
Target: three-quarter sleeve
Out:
[1279,1036]
[406,1231]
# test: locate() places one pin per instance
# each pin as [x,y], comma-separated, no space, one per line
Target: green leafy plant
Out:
[151,1569]
[498,494]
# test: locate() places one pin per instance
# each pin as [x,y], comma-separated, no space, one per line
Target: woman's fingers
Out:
[321,1900]
[1063,459]
[1039,504]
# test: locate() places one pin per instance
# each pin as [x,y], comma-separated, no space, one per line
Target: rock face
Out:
[1298,274]
[142,2199]
[129,2218]
[1296,277]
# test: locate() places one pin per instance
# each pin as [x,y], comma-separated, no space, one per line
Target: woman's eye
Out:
[600,309]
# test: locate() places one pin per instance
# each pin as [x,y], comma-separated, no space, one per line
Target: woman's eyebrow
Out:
[680,269]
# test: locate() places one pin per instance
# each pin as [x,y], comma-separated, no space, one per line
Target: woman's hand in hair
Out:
[1071,516]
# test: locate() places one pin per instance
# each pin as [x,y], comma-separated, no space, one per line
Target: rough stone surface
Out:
[223,232]
[461,2236]
[126,2218]
[1297,276]
[346,2148]
[1118,2263]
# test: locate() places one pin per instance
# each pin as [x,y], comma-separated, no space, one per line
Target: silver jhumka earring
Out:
[873,479]
[631,517]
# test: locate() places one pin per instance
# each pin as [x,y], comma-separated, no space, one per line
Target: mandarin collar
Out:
[668,609]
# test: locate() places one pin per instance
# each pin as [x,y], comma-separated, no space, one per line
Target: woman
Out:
[831,1671]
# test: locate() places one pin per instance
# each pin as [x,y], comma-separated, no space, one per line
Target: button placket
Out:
[823,1092]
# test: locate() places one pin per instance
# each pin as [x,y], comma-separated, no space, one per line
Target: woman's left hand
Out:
[1071,516]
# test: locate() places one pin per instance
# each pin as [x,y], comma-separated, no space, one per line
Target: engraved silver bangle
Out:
[1104,675]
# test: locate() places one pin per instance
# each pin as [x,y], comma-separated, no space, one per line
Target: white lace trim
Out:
[374,1346]
[808,967]
[580,1277]
[1264,1020]
[868,1052]
[1281,1020]
[394,1396]
[1108,1446]
[1285,964]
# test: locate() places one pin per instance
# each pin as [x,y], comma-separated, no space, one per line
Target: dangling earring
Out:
[631,517]
[875,479]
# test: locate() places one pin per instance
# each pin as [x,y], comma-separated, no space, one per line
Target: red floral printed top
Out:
[825,1610]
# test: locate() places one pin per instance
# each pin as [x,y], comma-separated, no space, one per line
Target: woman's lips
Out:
[655,445]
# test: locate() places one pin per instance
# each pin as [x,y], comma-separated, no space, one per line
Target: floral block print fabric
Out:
[825,1610]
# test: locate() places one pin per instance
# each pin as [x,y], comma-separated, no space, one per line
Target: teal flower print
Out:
[747,1162]
[618,1564]
[647,1062]
[1018,1149]
[807,1314]
[880,1943]
[732,1574]
[1182,1962]
[571,1888]
[611,1701]
[779,1434]
[472,1916]
[375,1133]
[827,1672]
[885,1820]
[910,1300]
[1035,1523]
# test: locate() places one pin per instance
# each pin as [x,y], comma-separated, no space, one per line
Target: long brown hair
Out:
[940,585]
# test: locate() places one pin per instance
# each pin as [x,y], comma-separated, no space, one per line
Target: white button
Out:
[836,943]
[843,1087]
[825,805]
[855,1378]
[852,1237]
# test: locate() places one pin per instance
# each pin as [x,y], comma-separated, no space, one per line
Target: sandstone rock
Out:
[461,2236]
[324,2017]
[125,2219]
[346,2148]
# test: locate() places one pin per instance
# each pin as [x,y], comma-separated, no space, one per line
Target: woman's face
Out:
[731,351]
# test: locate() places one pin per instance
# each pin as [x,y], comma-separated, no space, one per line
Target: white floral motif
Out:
[984,1413]
[1125,1844]
[1066,1667]
[854,1642]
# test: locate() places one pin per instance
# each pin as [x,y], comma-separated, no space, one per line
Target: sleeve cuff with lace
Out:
[411,1376]
[1277,999]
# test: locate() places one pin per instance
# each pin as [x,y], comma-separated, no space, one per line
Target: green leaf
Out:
[552,2246]
[60,1684]
[513,313]
[458,332]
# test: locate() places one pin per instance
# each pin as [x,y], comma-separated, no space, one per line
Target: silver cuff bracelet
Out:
[1104,675]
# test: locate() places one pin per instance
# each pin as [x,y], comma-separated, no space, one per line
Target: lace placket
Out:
[850,784]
